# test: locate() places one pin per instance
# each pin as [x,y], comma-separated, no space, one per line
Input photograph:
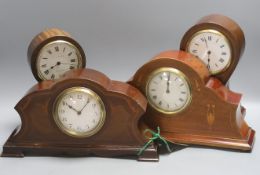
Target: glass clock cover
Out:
[79,112]
[56,58]
[168,90]
[213,48]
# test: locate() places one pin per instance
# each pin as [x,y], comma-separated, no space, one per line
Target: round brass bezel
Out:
[219,34]
[67,130]
[179,74]
[79,56]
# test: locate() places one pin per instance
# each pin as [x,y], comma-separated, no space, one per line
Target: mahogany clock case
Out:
[230,29]
[214,116]
[121,134]
[45,37]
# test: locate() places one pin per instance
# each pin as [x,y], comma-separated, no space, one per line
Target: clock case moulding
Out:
[214,116]
[121,134]
[230,29]
[45,37]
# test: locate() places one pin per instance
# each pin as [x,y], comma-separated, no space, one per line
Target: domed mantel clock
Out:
[83,113]
[218,41]
[52,53]
[189,106]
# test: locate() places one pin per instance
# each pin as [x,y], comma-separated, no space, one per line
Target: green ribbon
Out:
[155,136]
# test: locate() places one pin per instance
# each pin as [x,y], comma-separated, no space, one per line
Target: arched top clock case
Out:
[120,135]
[214,116]
[230,29]
[45,37]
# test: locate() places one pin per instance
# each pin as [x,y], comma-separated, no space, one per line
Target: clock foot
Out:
[150,154]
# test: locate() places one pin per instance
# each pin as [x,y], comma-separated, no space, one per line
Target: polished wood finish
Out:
[121,134]
[227,27]
[45,37]
[214,116]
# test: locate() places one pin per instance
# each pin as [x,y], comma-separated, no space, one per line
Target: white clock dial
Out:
[79,112]
[212,48]
[168,90]
[56,58]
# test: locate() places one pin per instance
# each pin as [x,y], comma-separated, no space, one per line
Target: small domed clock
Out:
[218,41]
[189,105]
[54,52]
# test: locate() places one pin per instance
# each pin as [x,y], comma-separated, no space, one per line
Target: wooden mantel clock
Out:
[189,106]
[218,41]
[83,113]
[52,53]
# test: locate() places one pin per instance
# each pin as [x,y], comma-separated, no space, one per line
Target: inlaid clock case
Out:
[214,116]
[120,135]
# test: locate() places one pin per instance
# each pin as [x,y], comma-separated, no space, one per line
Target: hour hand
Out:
[72,108]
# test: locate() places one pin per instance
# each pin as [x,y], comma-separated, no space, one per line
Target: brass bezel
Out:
[79,56]
[74,133]
[179,74]
[217,33]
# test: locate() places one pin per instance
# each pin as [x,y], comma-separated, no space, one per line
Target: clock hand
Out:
[206,42]
[168,83]
[73,108]
[52,67]
[84,106]
[208,53]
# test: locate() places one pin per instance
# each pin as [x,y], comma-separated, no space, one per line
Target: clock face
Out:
[213,48]
[79,112]
[56,58]
[168,90]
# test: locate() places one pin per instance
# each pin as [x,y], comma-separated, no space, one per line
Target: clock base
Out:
[14,148]
[245,144]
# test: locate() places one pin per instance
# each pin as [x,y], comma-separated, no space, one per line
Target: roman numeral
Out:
[181,84]
[70,54]
[153,89]
[209,38]
[222,46]
[223,53]
[194,51]
[64,49]
[71,67]
[52,76]
[180,99]
[196,44]
[46,72]
[183,92]
[45,58]
[154,97]
[44,65]
[49,51]
[57,49]
[73,60]
[202,39]
[221,60]
[160,103]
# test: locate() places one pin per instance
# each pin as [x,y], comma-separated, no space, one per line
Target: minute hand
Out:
[168,84]
[84,106]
